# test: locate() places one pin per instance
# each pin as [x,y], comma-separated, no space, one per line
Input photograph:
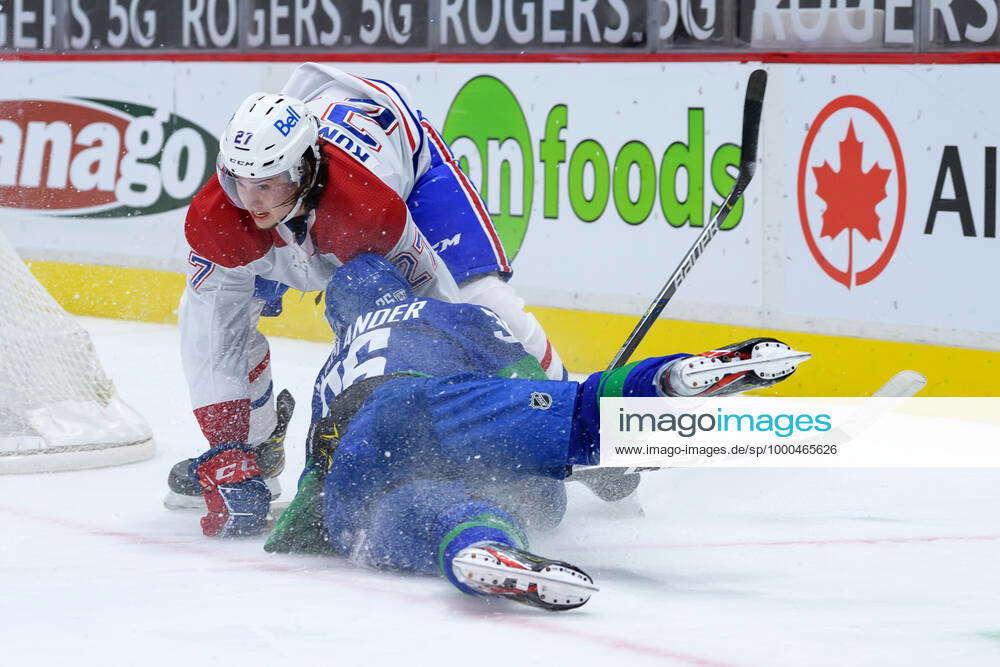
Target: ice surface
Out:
[726,567]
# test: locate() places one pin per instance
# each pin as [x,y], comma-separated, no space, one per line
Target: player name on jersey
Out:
[376,318]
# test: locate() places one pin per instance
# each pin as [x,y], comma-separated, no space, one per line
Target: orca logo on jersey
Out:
[488,133]
[97,158]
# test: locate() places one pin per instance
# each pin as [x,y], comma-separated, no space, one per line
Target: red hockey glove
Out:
[234,491]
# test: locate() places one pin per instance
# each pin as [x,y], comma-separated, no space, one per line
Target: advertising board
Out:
[872,214]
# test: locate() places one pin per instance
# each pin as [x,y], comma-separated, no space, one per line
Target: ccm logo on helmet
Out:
[285,126]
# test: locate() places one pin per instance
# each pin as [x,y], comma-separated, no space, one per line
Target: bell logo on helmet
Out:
[288,124]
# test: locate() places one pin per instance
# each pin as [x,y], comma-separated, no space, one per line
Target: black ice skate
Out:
[185,491]
[504,571]
[752,364]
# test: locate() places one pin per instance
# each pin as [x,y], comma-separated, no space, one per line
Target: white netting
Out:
[58,409]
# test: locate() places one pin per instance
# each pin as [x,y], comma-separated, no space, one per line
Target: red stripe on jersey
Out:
[259,368]
[470,192]
[401,112]
[225,422]
[547,357]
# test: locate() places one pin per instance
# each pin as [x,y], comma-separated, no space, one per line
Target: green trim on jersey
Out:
[613,382]
[482,521]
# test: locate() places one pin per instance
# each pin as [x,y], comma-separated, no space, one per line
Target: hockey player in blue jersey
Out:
[382,331]
[407,469]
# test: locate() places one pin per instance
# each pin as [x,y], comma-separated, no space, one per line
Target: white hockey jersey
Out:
[375,150]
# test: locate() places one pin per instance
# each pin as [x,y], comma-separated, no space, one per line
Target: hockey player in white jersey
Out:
[333,166]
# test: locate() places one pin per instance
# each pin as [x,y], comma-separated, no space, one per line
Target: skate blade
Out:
[178,501]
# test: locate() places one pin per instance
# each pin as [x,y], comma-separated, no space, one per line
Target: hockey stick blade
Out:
[902,385]
[753,105]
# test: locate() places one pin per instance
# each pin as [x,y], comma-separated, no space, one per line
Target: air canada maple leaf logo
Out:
[850,194]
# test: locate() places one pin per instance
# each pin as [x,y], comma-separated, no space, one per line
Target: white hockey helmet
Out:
[268,135]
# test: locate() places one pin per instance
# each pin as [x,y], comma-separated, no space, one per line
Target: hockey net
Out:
[58,409]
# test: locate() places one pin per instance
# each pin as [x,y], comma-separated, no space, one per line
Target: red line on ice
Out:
[344,579]
[797,543]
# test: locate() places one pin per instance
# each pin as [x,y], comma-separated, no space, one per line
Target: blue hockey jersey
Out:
[422,336]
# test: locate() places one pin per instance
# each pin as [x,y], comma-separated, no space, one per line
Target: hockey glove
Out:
[300,527]
[236,495]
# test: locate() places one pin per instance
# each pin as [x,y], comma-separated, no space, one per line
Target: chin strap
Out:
[294,210]
[306,190]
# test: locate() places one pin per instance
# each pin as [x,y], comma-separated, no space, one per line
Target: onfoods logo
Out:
[95,158]
[851,163]
[486,128]
[488,132]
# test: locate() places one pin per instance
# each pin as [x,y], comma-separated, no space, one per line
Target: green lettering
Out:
[634,212]
[552,152]
[586,208]
[691,158]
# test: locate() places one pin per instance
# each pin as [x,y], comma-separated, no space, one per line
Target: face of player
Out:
[268,200]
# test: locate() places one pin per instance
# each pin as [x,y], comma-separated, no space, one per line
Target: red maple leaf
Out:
[851,194]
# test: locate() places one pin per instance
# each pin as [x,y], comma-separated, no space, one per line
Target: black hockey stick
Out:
[752,106]
[614,484]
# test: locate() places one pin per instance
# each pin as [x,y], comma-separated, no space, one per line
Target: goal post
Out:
[58,409]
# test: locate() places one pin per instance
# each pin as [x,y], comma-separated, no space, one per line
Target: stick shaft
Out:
[673,282]
[752,107]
